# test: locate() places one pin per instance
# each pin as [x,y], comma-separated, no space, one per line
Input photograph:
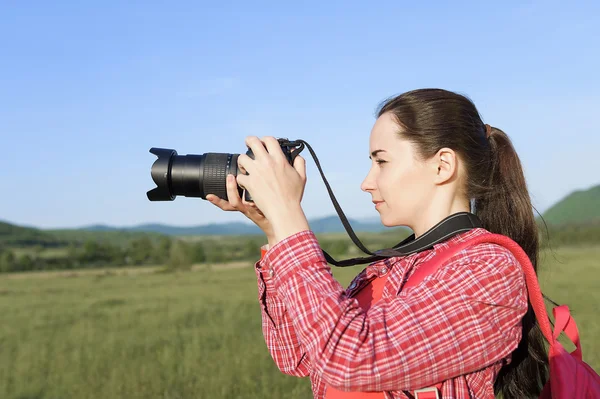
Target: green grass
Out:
[187,335]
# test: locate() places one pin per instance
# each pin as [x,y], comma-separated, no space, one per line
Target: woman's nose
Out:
[367,184]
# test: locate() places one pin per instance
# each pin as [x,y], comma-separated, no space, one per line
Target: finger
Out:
[257,147]
[258,212]
[220,202]
[242,181]
[241,169]
[300,166]
[273,147]
[245,164]
[232,193]
[248,204]
[233,201]
[252,208]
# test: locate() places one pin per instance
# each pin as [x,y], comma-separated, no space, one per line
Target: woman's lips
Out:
[377,204]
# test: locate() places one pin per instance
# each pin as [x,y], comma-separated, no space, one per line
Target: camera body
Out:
[199,175]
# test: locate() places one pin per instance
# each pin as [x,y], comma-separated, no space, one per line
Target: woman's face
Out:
[397,177]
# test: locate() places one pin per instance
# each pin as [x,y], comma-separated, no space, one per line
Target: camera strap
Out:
[450,226]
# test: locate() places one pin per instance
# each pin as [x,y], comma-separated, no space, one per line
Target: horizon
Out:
[368,220]
[246,221]
[81,104]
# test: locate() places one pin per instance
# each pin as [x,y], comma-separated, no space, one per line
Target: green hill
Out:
[329,224]
[580,207]
[12,235]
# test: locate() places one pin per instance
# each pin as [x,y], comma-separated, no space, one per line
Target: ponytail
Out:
[505,208]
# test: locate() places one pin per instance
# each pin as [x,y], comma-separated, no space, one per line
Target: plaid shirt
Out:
[458,326]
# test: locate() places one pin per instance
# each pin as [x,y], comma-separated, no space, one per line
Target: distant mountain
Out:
[12,235]
[329,224]
[579,207]
[230,228]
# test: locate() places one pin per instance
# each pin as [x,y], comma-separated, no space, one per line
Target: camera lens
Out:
[191,175]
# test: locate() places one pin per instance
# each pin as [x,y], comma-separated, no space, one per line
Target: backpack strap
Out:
[424,270]
[433,264]
[564,321]
[533,287]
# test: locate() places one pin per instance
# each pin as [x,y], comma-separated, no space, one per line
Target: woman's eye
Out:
[380,161]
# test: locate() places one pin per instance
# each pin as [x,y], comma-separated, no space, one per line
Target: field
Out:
[186,335]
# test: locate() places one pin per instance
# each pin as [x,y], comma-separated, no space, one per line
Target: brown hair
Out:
[432,119]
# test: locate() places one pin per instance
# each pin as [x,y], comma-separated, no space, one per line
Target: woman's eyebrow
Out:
[375,153]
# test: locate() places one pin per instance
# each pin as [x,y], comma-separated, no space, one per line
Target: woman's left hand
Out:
[276,186]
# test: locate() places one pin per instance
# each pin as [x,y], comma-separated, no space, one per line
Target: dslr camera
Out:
[199,175]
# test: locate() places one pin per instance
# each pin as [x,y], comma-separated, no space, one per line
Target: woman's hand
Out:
[248,209]
[276,186]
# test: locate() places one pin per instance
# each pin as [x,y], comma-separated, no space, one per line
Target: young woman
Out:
[468,326]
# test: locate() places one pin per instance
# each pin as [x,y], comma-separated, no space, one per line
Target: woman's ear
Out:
[445,163]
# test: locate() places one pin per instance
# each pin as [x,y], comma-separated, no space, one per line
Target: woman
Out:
[468,326]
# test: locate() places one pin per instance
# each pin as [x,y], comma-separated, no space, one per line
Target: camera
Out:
[199,175]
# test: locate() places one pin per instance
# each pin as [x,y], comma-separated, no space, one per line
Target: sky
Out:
[87,89]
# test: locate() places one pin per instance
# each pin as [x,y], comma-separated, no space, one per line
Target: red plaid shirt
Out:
[459,326]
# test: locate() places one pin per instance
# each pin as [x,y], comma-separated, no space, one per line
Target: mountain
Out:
[329,224]
[579,207]
[12,235]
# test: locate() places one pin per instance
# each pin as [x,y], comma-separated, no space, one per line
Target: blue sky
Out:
[86,90]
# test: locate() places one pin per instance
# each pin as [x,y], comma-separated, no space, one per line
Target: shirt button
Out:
[271,272]
[353,285]
[383,270]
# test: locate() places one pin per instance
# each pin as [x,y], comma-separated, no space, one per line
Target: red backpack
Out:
[570,376]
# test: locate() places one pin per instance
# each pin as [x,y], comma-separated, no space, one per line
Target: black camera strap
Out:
[444,230]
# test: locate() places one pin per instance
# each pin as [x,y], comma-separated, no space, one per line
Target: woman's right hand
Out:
[248,209]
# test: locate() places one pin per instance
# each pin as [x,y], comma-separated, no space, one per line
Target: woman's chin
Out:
[387,222]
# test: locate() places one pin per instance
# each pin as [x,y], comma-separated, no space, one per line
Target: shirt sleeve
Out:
[463,318]
[278,330]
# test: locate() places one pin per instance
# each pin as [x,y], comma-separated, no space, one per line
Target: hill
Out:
[578,208]
[12,236]
[329,224]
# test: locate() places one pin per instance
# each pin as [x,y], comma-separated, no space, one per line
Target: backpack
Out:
[570,376]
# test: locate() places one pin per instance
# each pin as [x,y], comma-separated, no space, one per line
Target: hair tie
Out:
[488,130]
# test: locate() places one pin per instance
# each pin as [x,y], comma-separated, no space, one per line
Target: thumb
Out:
[300,166]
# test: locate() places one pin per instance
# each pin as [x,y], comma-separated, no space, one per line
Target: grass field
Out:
[187,335]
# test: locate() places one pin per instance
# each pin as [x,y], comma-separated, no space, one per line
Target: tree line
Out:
[176,252]
[143,251]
